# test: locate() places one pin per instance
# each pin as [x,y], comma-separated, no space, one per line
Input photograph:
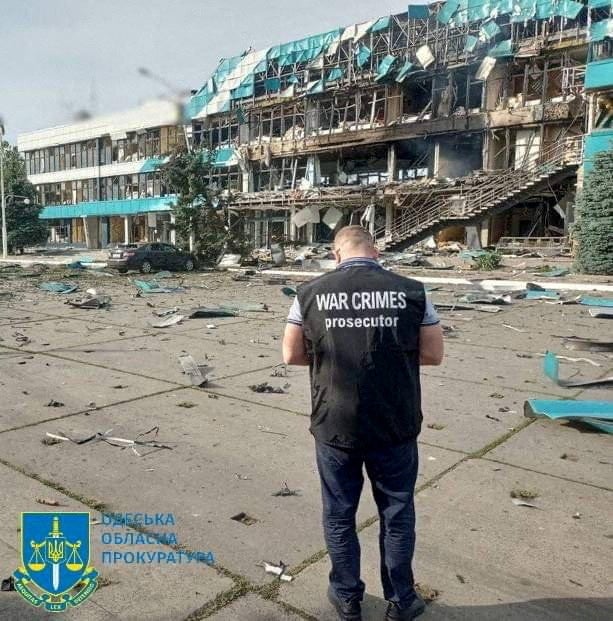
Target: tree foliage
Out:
[593,230]
[202,210]
[24,228]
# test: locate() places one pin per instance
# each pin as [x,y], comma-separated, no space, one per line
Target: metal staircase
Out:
[425,211]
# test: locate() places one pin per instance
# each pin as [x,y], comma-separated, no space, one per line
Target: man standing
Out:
[364,332]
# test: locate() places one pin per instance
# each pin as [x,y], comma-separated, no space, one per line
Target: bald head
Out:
[354,241]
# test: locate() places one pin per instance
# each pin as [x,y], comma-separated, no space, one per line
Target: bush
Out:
[488,261]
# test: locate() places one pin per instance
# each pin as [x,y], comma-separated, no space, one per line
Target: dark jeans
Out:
[392,472]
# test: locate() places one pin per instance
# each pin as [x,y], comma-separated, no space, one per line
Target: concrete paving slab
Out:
[262,333]
[59,334]
[254,608]
[230,457]
[136,592]
[462,408]
[499,368]
[156,356]
[560,449]
[28,382]
[297,397]
[539,579]
[10,315]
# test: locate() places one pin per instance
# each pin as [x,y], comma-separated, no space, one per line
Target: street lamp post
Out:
[2,197]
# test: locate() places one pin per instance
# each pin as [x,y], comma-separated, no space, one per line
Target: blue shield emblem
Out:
[55,554]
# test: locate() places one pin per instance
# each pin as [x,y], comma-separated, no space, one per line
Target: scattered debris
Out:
[496,395]
[461,578]
[426,592]
[506,325]
[247,307]
[277,570]
[49,502]
[101,301]
[269,430]
[169,321]
[267,388]
[139,440]
[290,292]
[525,494]
[279,371]
[522,503]
[152,286]
[436,426]
[578,343]
[539,294]
[588,300]
[8,584]
[577,516]
[550,272]
[58,287]
[165,313]
[186,404]
[569,457]
[483,308]
[194,371]
[50,441]
[205,312]
[601,312]
[286,491]
[55,404]
[241,477]
[492,417]
[486,298]
[551,368]
[244,518]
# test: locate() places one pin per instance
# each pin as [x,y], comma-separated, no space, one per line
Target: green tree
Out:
[202,211]
[593,230]
[24,226]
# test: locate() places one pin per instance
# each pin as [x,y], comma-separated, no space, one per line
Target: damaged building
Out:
[464,119]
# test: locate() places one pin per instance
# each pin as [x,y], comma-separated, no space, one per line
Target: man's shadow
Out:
[550,609]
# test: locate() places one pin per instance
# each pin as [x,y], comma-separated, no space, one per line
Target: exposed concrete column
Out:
[173,233]
[371,220]
[436,162]
[310,232]
[257,232]
[91,227]
[293,229]
[127,221]
[485,232]
[392,163]
[389,218]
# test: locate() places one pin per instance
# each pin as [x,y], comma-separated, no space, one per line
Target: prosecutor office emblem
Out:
[55,553]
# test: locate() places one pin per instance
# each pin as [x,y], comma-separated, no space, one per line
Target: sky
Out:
[58,57]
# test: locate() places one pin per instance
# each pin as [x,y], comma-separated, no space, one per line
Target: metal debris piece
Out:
[486,298]
[277,570]
[290,292]
[244,518]
[286,491]
[169,321]
[569,359]
[8,584]
[247,307]
[482,308]
[506,325]
[205,312]
[551,368]
[267,388]
[58,287]
[194,371]
[152,286]
[241,477]
[597,414]
[55,404]
[578,343]
[588,300]
[140,440]
[539,294]
[601,312]
[269,430]
[101,301]
[518,502]
[165,313]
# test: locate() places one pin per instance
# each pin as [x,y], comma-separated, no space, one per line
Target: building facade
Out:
[463,118]
[98,179]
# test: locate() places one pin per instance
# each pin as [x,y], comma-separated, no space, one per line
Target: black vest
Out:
[361,326]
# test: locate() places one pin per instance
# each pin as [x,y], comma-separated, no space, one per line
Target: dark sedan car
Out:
[150,257]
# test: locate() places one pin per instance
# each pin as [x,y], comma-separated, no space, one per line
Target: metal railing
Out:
[423,210]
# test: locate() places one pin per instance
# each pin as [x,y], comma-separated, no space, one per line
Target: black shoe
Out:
[347,611]
[405,614]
